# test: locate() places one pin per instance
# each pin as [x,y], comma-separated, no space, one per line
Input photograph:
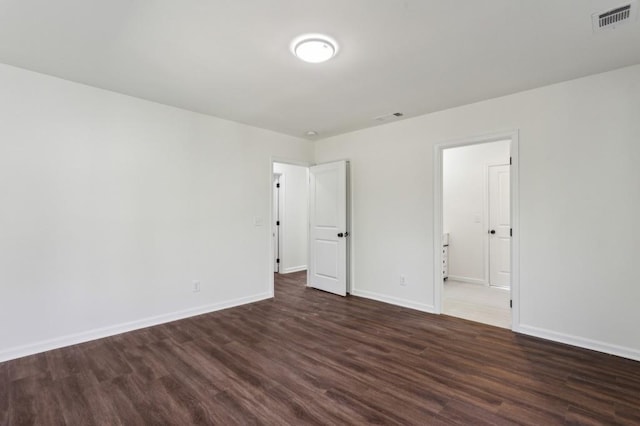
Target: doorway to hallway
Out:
[289,225]
[311,224]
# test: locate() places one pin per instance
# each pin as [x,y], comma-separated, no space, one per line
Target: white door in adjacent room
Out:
[328,227]
[499,226]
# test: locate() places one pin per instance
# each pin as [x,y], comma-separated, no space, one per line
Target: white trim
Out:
[99,333]
[438,149]
[282,217]
[515,226]
[478,281]
[291,161]
[438,226]
[581,342]
[350,229]
[308,227]
[294,269]
[486,218]
[394,300]
[275,230]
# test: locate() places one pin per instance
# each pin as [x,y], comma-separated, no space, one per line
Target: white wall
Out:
[579,203]
[465,207]
[294,217]
[112,206]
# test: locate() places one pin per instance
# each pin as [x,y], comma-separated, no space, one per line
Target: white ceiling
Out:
[231,58]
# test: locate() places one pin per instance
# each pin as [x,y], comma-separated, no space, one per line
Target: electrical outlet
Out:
[403,280]
[196,286]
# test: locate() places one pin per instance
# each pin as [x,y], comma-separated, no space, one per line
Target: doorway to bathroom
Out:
[476,222]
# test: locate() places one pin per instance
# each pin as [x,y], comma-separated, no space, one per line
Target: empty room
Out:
[284,213]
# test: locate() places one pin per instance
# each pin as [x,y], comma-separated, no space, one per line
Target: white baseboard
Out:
[86,336]
[468,280]
[294,269]
[394,300]
[581,342]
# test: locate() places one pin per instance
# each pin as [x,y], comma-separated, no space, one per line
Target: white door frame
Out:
[280,160]
[438,149]
[276,178]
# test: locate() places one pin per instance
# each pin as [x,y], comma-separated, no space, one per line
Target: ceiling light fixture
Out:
[314,48]
[312,133]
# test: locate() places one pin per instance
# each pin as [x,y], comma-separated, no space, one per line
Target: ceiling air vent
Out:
[610,19]
[386,117]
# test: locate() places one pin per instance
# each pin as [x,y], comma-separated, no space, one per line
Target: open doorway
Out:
[474,211]
[310,225]
[290,218]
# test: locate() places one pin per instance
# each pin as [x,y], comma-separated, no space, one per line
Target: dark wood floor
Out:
[308,357]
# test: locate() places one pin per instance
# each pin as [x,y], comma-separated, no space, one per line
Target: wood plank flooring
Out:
[308,357]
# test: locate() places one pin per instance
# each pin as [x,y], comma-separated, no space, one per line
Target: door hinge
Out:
[510,162]
[511,232]
[511,303]
[277,185]
[277,260]
[277,223]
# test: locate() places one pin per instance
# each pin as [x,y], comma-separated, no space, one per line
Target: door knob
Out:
[493,231]
[340,235]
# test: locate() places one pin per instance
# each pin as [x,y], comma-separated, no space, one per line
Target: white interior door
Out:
[275,226]
[327,227]
[499,226]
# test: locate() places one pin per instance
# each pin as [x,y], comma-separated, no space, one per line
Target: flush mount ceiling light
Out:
[314,48]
